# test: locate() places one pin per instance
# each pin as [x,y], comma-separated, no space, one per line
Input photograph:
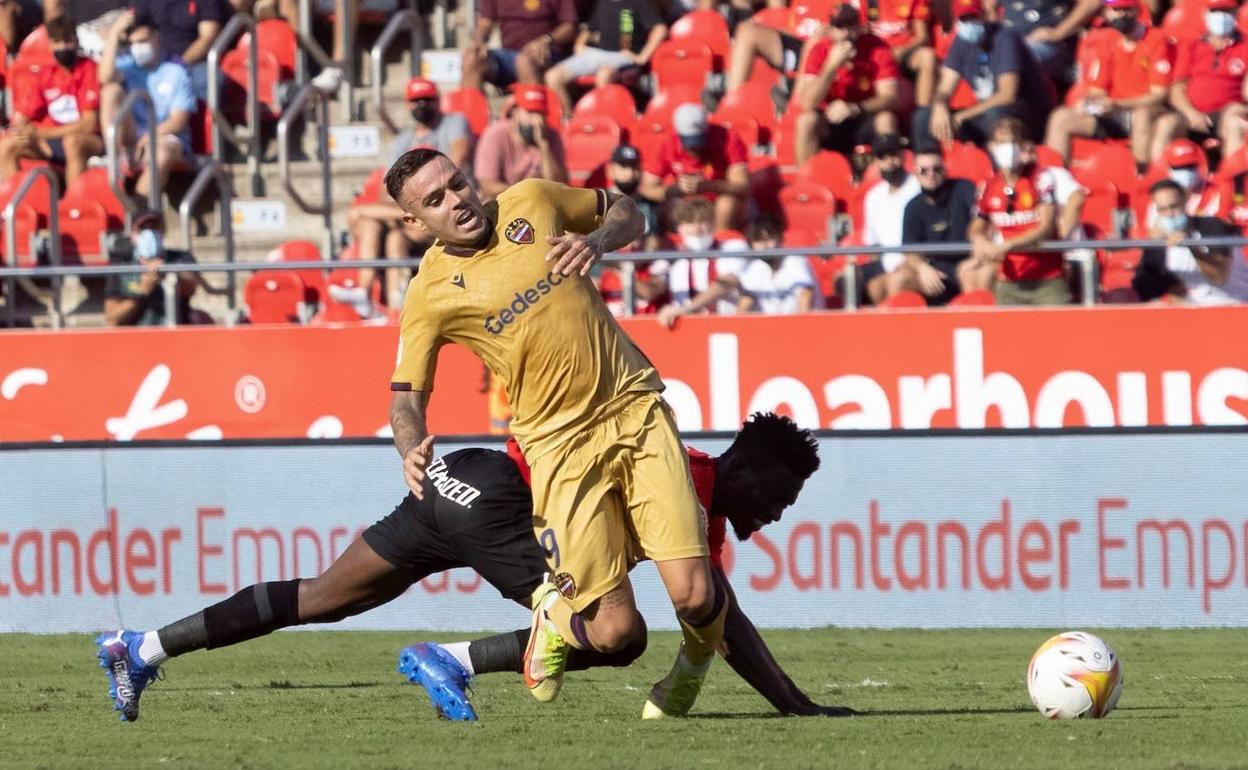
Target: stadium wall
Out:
[978,529]
[1100,367]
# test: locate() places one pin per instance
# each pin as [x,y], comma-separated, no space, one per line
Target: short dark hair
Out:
[928,148]
[693,208]
[1167,184]
[408,164]
[1011,122]
[763,226]
[777,438]
[62,29]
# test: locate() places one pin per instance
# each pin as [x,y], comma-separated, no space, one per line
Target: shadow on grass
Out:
[929,713]
[283,685]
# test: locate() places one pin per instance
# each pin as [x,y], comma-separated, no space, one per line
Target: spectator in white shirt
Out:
[698,284]
[884,209]
[776,285]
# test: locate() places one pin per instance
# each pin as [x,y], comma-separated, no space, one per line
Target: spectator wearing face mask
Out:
[144,67]
[847,90]
[1129,78]
[1017,209]
[56,109]
[187,28]
[940,213]
[520,146]
[883,212]
[1211,81]
[138,299]
[1195,274]
[776,285]
[1187,166]
[698,284]
[1001,70]
[701,159]
[624,176]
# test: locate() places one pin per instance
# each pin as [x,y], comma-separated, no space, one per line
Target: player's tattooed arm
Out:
[411,436]
[746,652]
[622,223]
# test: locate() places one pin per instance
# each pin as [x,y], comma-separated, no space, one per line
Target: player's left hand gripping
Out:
[573,253]
[414,464]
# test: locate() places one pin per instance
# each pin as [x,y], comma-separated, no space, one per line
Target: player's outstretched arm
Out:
[622,224]
[411,436]
[746,652]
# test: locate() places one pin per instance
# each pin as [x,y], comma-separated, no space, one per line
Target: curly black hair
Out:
[778,438]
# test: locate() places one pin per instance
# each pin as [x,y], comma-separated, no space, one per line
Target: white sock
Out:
[150,651]
[459,651]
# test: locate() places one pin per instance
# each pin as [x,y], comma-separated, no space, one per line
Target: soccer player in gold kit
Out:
[611,481]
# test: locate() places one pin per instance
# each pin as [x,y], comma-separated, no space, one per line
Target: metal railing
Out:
[308,45]
[295,111]
[54,227]
[112,152]
[211,173]
[403,20]
[245,138]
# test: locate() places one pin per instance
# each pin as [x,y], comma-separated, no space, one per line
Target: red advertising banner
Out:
[1100,367]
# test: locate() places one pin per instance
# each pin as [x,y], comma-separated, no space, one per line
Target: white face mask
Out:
[144,53]
[1219,23]
[1005,156]
[698,242]
[1187,178]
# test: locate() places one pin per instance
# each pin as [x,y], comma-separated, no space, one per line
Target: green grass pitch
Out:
[332,699]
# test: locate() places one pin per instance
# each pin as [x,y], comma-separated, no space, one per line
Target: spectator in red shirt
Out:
[57,111]
[535,34]
[1017,209]
[1209,81]
[1129,77]
[906,25]
[847,89]
[701,159]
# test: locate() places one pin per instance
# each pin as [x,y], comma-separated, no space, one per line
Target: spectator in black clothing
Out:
[941,213]
[619,34]
[1003,73]
[138,299]
[1051,29]
[187,29]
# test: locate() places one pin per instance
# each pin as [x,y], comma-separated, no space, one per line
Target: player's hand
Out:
[414,464]
[573,253]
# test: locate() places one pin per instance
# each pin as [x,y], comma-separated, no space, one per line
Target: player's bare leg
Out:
[701,607]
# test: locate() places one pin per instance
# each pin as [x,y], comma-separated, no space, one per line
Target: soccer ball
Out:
[1073,676]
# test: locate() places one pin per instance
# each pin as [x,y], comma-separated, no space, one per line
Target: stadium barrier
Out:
[1042,530]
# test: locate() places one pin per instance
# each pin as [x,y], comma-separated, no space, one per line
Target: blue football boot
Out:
[445,679]
[127,675]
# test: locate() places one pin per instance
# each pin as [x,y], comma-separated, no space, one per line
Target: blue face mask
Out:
[148,245]
[1174,224]
[972,31]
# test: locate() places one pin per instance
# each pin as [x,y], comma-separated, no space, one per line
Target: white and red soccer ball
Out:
[1074,675]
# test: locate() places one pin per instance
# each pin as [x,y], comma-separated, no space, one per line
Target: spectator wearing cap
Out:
[999,67]
[847,90]
[701,159]
[1128,78]
[698,284]
[1195,274]
[187,30]
[624,177]
[138,299]
[535,34]
[520,146]
[1211,82]
[1185,164]
[1051,29]
[619,34]
[378,227]
[145,67]
[775,285]
[884,210]
[56,118]
[940,213]
[1017,209]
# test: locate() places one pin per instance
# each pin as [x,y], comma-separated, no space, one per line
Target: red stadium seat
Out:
[679,63]
[612,100]
[1100,210]
[92,185]
[333,311]
[707,27]
[1047,156]
[655,125]
[966,161]
[809,205]
[1094,163]
[472,104]
[35,48]
[37,197]
[373,189]
[832,170]
[756,100]
[589,141]
[274,297]
[809,15]
[782,19]
[1185,22]
[234,84]
[783,141]
[977,298]
[903,300]
[313,280]
[278,38]
[82,223]
[765,183]
[740,120]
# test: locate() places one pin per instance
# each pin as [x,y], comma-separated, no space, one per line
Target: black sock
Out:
[186,635]
[254,611]
[505,652]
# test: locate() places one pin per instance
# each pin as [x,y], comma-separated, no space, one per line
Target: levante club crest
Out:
[520,231]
